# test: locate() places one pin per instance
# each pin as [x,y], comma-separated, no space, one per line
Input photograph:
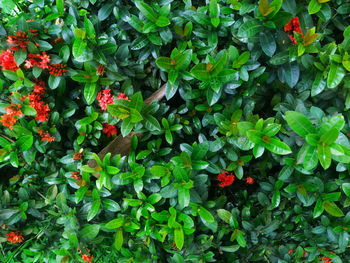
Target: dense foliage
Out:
[245,159]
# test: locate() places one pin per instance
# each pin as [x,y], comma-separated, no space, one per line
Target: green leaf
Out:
[276,199]
[332,209]
[318,210]
[78,47]
[115,223]
[164,63]
[250,28]
[267,43]
[330,136]
[299,123]
[318,85]
[90,93]
[126,127]
[205,215]
[118,242]
[10,75]
[240,240]
[200,72]
[292,73]
[25,142]
[105,11]
[314,7]
[94,209]
[162,21]
[60,6]
[135,116]
[346,189]
[224,215]
[147,11]
[324,155]
[179,237]
[183,197]
[89,232]
[335,75]
[278,147]
[311,158]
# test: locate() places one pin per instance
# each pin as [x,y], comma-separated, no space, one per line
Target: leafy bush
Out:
[246,159]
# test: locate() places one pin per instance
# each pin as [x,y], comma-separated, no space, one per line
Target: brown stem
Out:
[122,145]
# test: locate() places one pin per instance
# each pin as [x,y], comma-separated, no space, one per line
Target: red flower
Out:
[57,69]
[41,108]
[100,70]
[39,87]
[8,120]
[37,60]
[293,26]
[122,96]
[45,136]
[14,110]
[14,237]
[87,258]
[19,40]
[250,180]
[78,155]
[304,253]
[76,176]
[326,259]
[290,251]
[104,98]
[7,61]
[226,179]
[109,130]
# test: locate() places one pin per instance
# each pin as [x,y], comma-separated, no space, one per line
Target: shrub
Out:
[245,159]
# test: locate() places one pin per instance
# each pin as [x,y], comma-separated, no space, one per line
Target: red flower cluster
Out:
[250,180]
[21,40]
[45,136]
[57,69]
[122,96]
[7,61]
[78,155]
[12,112]
[326,259]
[290,251]
[100,70]
[226,179]
[37,60]
[86,257]
[36,102]
[104,98]
[14,237]
[293,26]
[109,130]
[76,176]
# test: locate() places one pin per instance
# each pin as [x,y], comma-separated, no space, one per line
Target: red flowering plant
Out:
[174,131]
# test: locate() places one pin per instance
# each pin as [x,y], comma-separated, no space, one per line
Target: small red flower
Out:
[290,251]
[293,26]
[100,70]
[21,40]
[41,108]
[76,176]
[250,180]
[109,130]
[14,110]
[7,61]
[326,259]
[78,155]
[86,257]
[304,253]
[122,96]
[57,69]
[45,136]
[14,237]
[39,87]
[226,179]
[104,98]
[8,120]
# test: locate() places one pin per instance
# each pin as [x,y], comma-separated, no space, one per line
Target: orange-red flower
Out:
[45,136]
[37,60]
[14,110]
[290,251]
[109,130]
[76,175]
[7,61]
[14,237]
[293,26]
[104,98]
[78,155]
[122,96]
[8,120]
[57,69]
[21,40]
[226,179]
[86,257]
[250,180]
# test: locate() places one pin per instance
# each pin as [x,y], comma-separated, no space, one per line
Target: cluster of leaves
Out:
[239,96]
